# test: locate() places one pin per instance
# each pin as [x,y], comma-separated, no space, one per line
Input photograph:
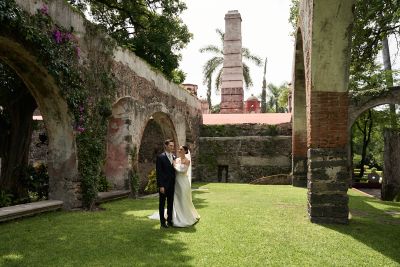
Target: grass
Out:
[241,225]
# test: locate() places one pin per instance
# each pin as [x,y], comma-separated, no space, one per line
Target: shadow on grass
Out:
[372,226]
[121,235]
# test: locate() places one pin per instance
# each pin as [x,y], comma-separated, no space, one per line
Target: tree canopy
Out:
[150,28]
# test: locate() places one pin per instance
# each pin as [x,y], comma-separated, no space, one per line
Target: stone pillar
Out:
[326,29]
[232,74]
[391,166]
[327,185]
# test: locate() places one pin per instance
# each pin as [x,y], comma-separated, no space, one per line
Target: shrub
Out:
[103,185]
[38,181]
[5,199]
[151,186]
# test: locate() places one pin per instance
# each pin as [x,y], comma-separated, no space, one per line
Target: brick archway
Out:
[325,34]
[64,180]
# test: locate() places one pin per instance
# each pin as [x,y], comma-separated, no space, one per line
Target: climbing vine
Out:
[87,88]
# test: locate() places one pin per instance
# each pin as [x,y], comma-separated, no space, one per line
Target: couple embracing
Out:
[174,179]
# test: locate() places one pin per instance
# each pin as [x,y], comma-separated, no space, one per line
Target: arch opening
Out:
[64,181]
[371,152]
[299,98]
[159,127]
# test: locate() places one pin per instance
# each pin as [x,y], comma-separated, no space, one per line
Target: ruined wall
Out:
[245,156]
[138,93]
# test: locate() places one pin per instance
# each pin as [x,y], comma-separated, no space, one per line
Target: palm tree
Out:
[275,92]
[213,65]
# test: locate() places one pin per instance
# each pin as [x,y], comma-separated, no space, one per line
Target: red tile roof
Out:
[259,118]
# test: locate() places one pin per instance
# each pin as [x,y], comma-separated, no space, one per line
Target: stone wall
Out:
[244,156]
[39,145]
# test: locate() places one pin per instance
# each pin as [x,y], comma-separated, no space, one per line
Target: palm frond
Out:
[246,76]
[211,49]
[210,67]
[218,81]
[274,90]
[221,34]
[256,60]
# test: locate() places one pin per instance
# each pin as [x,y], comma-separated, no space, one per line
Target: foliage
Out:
[38,181]
[5,199]
[277,97]
[374,151]
[216,108]
[151,186]
[134,179]
[264,218]
[88,89]
[213,65]
[294,14]
[103,185]
[150,28]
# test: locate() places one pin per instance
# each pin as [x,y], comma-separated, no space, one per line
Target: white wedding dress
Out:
[184,213]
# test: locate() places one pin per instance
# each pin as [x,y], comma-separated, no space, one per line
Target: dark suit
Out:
[165,178]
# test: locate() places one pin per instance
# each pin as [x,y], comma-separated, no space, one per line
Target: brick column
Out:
[328,173]
[232,73]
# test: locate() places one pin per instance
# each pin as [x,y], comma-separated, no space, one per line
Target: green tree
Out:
[213,65]
[150,28]
[276,94]
[17,107]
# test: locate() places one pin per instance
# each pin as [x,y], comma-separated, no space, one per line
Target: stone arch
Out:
[64,182]
[358,108]
[299,116]
[326,33]
[158,128]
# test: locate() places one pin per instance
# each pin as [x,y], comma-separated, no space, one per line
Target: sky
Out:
[265,31]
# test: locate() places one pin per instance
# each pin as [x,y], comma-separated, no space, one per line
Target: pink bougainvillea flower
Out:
[67,36]
[44,9]
[57,35]
[80,129]
[78,51]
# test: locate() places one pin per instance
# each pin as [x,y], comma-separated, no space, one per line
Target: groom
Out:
[166,181]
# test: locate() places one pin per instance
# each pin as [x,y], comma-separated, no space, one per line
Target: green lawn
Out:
[241,225]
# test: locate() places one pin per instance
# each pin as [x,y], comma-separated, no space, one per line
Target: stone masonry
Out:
[232,73]
[243,153]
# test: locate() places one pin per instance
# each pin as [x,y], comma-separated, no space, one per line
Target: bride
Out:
[184,213]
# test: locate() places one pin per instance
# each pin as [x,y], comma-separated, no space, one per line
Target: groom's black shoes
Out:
[170,224]
[163,225]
